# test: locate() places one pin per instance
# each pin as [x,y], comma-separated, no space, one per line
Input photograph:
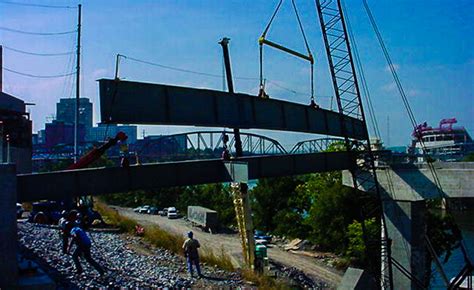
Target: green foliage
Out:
[469,158]
[278,206]
[102,161]
[331,210]
[443,233]
[356,246]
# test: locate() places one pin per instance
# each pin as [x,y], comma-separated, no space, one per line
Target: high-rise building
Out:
[66,111]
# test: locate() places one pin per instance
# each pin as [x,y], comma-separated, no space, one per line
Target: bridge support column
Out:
[406,228]
[8,227]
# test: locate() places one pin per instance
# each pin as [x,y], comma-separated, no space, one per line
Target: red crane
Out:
[95,153]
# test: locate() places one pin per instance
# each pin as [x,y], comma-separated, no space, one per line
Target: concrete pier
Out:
[405,221]
[8,228]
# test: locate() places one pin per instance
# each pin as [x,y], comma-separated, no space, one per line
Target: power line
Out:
[211,75]
[38,54]
[36,5]
[37,33]
[38,76]
[172,68]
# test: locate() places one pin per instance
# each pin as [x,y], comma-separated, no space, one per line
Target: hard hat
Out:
[190,234]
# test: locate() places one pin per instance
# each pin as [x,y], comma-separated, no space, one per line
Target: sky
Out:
[430,42]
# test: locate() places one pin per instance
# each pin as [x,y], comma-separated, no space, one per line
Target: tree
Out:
[279,206]
[216,196]
[356,244]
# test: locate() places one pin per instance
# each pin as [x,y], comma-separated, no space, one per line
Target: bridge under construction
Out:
[130,102]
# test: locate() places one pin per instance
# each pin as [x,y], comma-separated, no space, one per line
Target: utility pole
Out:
[1,68]
[78,85]
[1,142]
[230,85]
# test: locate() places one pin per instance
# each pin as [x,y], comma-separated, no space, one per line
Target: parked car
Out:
[152,210]
[142,209]
[19,210]
[172,213]
[163,212]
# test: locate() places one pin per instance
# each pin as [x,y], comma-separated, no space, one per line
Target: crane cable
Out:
[262,41]
[418,135]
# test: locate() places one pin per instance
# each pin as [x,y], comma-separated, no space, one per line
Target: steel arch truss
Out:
[316,145]
[205,144]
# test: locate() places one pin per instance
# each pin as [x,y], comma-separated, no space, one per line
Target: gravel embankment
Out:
[129,262]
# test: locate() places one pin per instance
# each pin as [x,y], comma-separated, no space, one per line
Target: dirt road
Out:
[230,244]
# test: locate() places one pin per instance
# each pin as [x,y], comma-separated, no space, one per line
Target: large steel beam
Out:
[143,103]
[62,184]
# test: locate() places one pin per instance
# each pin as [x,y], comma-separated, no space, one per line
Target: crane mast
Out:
[349,102]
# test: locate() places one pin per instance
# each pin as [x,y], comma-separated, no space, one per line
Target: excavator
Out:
[45,212]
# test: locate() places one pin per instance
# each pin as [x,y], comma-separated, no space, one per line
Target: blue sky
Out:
[430,42]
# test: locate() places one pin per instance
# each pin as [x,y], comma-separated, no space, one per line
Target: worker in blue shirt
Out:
[83,248]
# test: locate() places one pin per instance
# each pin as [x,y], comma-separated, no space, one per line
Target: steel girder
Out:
[62,184]
[125,102]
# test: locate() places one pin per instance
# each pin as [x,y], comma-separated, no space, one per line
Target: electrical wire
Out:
[211,75]
[38,76]
[37,5]
[38,54]
[36,33]
[172,68]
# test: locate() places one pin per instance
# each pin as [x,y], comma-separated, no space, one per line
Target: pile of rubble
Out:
[126,266]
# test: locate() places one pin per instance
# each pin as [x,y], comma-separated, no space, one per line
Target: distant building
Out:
[42,136]
[66,111]
[58,132]
[102,132]
[16,126]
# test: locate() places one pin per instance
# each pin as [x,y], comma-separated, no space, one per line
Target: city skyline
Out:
[434,60]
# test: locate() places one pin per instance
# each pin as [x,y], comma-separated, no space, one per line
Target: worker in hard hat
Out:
[190,248]
[64,229]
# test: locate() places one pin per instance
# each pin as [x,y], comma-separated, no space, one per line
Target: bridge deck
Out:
[61,184]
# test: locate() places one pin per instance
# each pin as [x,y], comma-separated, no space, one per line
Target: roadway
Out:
[230,243]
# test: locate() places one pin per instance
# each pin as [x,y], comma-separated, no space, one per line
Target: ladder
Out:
[244,221]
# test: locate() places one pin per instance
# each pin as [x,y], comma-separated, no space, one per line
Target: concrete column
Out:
[406,227]
[8,227]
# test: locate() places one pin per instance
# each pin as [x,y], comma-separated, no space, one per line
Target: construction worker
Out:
[83,248]
[190,248]
[65,229]
[79,222]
